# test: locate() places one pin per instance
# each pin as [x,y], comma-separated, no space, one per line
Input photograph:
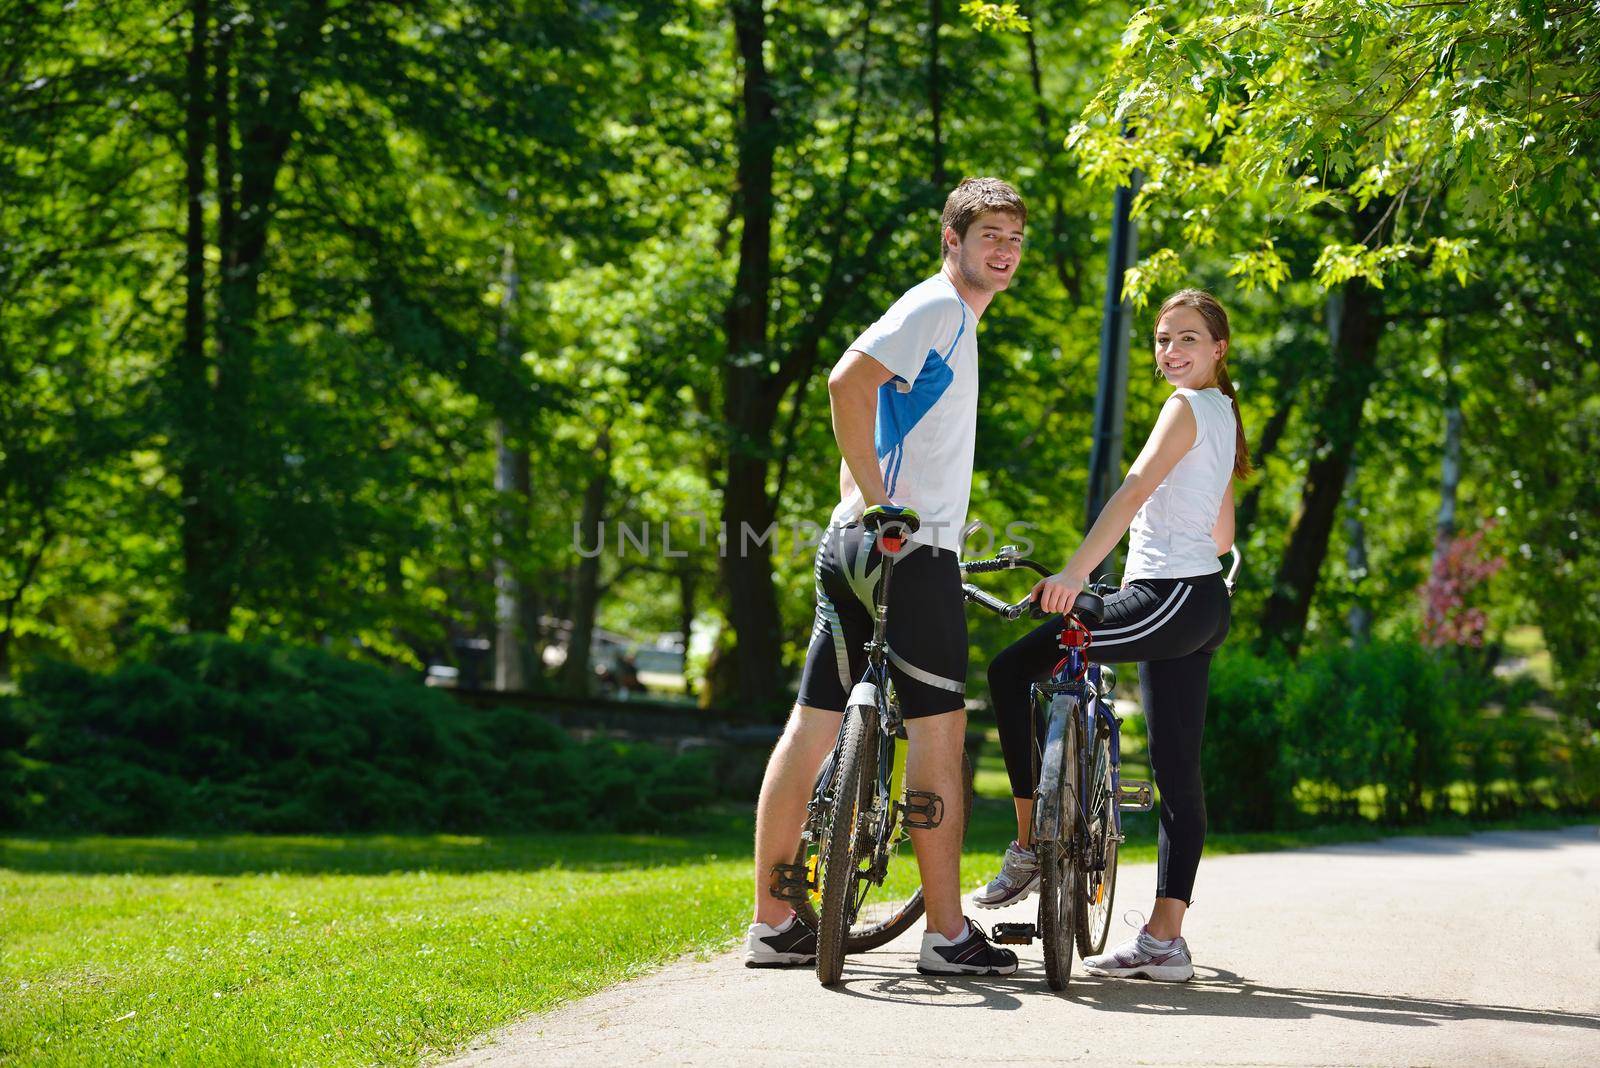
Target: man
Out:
[905,403]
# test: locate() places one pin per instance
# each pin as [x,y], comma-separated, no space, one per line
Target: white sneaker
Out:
[1144,957]
[791,942]
[1019,877]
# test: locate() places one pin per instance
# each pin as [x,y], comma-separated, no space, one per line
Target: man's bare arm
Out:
[853,391]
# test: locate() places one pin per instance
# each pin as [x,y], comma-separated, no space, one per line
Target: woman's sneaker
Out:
[970,955]
[791,942]
[1144,957]
[1019,877]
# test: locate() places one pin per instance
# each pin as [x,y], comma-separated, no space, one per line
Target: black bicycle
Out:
[860,809]
[1077,806]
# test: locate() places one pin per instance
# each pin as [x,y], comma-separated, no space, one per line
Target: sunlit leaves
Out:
[1000,17]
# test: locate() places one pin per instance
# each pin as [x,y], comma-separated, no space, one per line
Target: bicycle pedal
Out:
[790,882]
[1014,934]
[1136,795]
[921,810]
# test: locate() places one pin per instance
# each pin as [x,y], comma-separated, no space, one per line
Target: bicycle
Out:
[1081,795]
[1077,805]
[860,809]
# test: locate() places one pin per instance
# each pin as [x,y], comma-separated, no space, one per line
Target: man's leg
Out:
[781,811]
[933,763]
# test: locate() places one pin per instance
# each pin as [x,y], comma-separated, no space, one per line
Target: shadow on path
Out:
[1212,993]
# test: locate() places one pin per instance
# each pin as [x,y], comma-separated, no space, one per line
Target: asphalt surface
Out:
[1482,950]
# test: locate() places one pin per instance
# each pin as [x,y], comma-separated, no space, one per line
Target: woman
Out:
[1171,615]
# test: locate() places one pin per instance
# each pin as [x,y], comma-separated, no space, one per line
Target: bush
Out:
[209,734]
[1388,724]
[1247,760]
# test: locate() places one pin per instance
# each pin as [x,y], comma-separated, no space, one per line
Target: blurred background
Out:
[443,340]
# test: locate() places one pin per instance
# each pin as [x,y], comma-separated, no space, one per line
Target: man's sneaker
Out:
[791,942]
[971,955]
[1144,957]
[1019,877]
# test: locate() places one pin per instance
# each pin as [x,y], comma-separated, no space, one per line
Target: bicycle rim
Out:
[1059,888]
[1099,887]
[837,875]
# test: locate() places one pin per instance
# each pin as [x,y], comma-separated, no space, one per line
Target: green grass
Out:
[374,949]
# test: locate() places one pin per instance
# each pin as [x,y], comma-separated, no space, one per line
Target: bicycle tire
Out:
[864,938]
[1098,889]
[1058,872]
[836,873]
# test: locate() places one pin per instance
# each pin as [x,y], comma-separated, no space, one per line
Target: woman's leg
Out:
[1174,693]
[1017,667]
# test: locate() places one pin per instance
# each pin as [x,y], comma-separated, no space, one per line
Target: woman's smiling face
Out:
[1186,353]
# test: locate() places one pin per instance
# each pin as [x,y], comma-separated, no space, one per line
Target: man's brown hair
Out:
[972,198]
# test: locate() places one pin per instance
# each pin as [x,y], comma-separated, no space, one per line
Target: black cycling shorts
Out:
[926,625]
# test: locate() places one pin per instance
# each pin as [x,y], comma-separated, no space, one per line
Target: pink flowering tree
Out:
[1452,616]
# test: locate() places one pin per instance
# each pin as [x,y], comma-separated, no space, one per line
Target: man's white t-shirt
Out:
[928,412]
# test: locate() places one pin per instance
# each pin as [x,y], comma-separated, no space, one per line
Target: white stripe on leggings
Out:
[1162,607]
[1153,625]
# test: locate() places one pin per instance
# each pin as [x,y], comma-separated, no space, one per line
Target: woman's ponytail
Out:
[1242,467]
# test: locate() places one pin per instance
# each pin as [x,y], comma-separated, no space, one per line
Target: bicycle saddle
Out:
[878,515]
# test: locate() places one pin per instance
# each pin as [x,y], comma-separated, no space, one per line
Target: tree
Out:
[1402,127]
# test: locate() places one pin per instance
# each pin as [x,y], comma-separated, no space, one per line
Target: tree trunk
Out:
[748,408]
[516,616]
[1450,469]
[1357,618]
[513,637]
[1270,434]
[214,443]
[8,632]
[575,676]
[935,97]
[1069,271]
[686,585]
[207,594]
[1355,352]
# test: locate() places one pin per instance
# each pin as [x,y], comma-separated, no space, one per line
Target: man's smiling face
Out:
[987,259]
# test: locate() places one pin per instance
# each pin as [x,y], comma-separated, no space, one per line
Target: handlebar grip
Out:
[978,597]
[980,567]
[1031,609]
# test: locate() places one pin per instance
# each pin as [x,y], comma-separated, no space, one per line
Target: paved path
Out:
[1412,951]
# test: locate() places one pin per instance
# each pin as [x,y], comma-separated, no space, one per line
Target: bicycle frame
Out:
[1075,688]
[872,692]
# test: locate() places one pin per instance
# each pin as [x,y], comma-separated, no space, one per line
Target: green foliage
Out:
[998,17]
[1388,731]
[1247,759]
[210,734]
[1345,106]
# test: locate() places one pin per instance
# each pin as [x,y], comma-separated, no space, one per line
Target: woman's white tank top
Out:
[1171,535]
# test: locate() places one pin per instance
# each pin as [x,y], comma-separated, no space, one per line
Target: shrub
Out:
[211,734]
[1248,755]
[1390,722]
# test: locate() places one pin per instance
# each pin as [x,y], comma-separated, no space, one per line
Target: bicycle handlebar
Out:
[999,607]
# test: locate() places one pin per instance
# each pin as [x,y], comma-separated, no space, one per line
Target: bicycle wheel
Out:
[886,912]
[1058,871]
[836,875]
[1099,880]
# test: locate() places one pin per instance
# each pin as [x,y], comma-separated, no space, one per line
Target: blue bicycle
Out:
[1078,804]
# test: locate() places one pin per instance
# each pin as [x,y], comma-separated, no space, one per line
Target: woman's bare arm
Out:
[1173,436]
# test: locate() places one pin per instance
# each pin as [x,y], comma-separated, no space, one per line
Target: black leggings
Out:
[1171,627]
